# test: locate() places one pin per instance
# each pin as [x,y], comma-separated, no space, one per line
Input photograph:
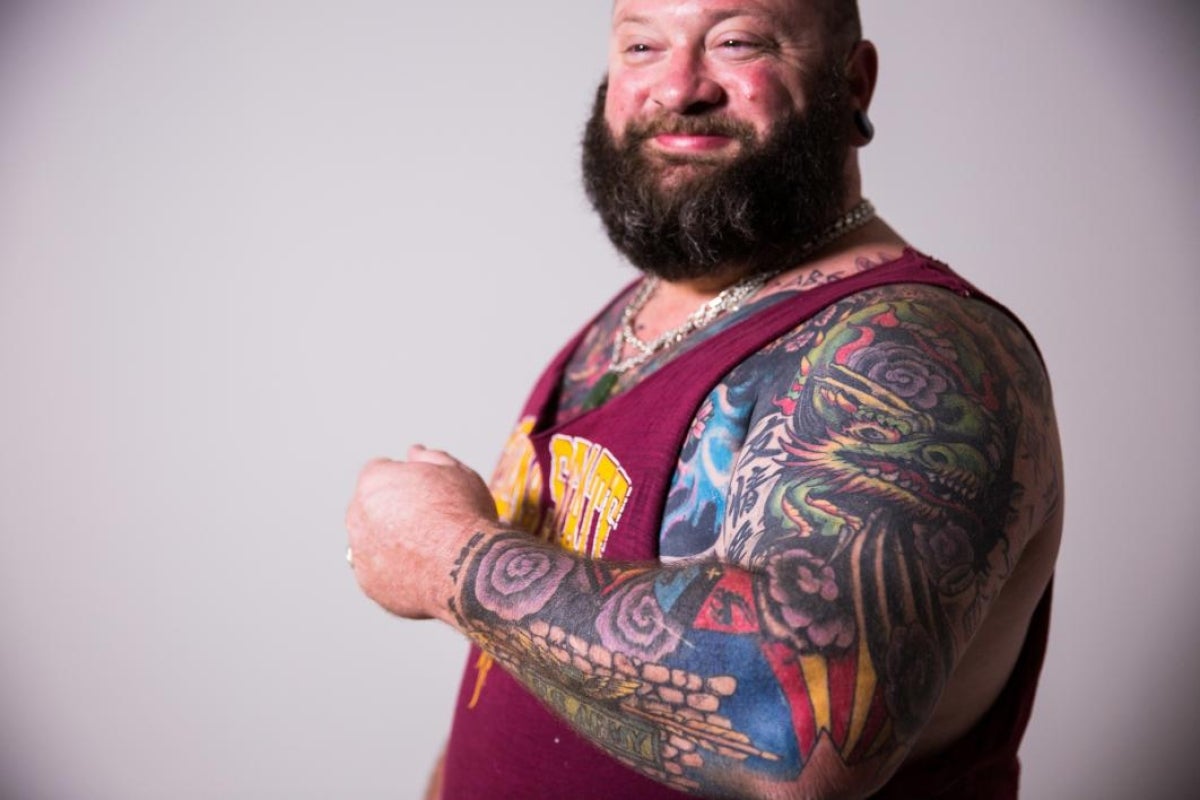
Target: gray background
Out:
[245,246]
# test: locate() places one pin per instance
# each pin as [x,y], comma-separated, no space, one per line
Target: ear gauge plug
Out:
[863,123]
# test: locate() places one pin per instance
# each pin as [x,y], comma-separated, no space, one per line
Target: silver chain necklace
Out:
[728,300]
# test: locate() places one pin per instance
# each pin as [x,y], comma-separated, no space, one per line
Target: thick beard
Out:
[753,213]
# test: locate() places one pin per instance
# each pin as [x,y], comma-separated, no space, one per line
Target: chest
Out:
[641,477]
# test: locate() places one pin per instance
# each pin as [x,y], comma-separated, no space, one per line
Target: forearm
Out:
[710,677]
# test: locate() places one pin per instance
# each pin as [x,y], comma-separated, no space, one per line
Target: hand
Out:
[407,523]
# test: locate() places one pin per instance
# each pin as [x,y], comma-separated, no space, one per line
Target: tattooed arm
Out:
[873,513]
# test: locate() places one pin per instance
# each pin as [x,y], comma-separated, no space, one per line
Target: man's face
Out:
[741,61]
[719,140]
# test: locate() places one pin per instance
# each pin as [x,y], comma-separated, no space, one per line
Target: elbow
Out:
[825,777]
[816,768]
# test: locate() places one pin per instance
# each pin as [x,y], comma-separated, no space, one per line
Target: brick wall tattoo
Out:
[610,667]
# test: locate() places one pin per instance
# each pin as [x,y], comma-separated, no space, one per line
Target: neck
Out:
[695,290]
[854,227]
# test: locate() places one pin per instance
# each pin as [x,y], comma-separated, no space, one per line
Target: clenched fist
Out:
[407,522]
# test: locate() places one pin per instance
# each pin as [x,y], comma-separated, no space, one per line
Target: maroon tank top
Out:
[597,485]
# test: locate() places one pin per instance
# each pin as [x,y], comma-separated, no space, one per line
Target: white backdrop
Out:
[246,245]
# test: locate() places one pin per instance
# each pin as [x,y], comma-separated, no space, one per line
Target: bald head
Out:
[842,22]
[843,26]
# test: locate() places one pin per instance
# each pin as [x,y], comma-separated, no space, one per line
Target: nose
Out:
[684,86]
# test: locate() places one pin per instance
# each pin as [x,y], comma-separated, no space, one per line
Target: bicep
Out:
[875,490]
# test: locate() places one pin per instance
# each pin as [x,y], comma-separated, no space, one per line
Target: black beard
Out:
[753,213]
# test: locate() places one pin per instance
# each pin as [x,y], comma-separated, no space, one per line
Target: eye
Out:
[873,434]
[636,51]
[738,45]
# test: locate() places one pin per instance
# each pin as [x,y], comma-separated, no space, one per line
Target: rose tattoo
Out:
[902,369]
[633,622]
[802,602]
[516,579]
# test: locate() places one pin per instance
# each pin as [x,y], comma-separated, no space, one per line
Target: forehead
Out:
[781,12]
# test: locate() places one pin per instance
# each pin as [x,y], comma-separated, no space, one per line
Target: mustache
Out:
[638,132]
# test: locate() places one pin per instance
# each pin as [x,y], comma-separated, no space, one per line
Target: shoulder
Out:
[913,397]
[904,399]
[914,348]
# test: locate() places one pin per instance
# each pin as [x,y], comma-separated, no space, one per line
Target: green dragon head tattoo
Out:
[888,412]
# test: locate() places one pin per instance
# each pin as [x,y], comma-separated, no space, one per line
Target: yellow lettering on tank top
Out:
[573,458]
[610,500]
[589,489]
[517,481]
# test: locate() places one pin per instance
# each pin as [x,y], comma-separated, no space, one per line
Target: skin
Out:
[722,58]
[715,56]
[866,511]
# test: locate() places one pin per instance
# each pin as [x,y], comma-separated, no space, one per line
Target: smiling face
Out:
[719,142]
[745,62]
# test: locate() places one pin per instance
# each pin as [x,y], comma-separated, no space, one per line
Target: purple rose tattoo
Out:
[802,602]
[633,622]
[903,370]
[517,578]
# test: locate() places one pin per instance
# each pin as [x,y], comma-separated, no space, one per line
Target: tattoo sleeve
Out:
[871,513]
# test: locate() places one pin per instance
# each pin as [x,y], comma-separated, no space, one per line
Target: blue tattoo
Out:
[695,508]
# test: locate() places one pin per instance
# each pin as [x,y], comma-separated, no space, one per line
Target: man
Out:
[781,521]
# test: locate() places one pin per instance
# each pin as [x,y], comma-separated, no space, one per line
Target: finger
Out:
[425,455]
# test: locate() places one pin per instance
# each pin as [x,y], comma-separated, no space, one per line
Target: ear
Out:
[862,70]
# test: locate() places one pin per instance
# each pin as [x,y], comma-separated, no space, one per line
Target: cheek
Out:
[766,100]
[762,94]
[629,92]
[619,106]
